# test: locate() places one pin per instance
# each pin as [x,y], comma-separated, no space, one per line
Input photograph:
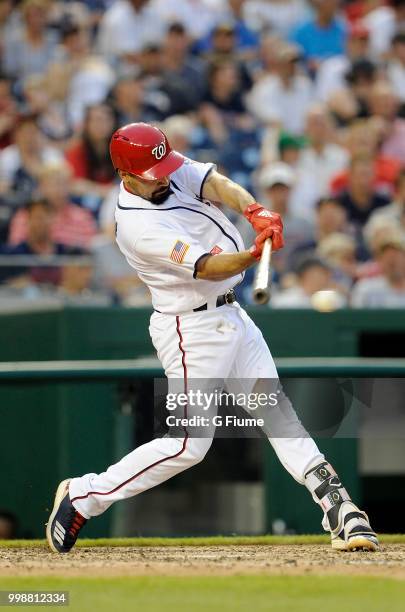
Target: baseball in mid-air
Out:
[327,300]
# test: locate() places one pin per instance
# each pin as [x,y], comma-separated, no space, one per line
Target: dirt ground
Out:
[202,560]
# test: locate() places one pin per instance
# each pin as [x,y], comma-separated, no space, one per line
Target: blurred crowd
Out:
[300,101]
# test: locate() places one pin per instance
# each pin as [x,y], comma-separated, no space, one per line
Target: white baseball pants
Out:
[220,343]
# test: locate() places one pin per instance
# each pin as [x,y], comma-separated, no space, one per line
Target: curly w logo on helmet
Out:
[159,151]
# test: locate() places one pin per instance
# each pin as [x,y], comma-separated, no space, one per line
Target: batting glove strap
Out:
[252,208]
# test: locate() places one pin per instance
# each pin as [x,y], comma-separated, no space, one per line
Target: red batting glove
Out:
[276,238]
[261,218]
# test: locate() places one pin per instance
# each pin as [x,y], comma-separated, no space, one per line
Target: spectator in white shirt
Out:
[396,65]
[388,289]
[383,22]
[199,17]
[283,99]
[127,27]
[318,162]
[88,77]
[331,74]
[277,15]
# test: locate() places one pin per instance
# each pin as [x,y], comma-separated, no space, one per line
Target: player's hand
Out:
[276,238]
[261,218]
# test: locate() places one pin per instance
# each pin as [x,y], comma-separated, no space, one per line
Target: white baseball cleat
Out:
[354,532]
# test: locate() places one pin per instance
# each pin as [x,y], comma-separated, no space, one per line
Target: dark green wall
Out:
[49,432]
[115,333]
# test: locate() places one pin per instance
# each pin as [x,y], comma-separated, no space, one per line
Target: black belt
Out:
[227,298]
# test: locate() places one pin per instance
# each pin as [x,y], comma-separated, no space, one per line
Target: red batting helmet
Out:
[143,150]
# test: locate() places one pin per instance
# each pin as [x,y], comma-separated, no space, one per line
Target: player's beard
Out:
[161,197]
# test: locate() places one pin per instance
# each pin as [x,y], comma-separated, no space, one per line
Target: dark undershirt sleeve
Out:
[196,264]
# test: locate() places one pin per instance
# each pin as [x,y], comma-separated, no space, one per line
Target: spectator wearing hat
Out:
[290,147]
[323,36]
[276,182]
[224,49]
[223,42]
[281,146]
[282,99]
[387,290]
[246,40]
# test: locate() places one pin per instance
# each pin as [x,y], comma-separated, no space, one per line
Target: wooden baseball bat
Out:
[261,285]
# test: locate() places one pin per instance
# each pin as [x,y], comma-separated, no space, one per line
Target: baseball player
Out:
[191,257]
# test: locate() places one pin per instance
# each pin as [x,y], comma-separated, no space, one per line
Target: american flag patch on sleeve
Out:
[179,251]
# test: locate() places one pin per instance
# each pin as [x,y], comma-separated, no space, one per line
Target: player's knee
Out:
[196,449]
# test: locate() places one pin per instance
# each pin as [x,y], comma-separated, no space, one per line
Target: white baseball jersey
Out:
[164,242]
